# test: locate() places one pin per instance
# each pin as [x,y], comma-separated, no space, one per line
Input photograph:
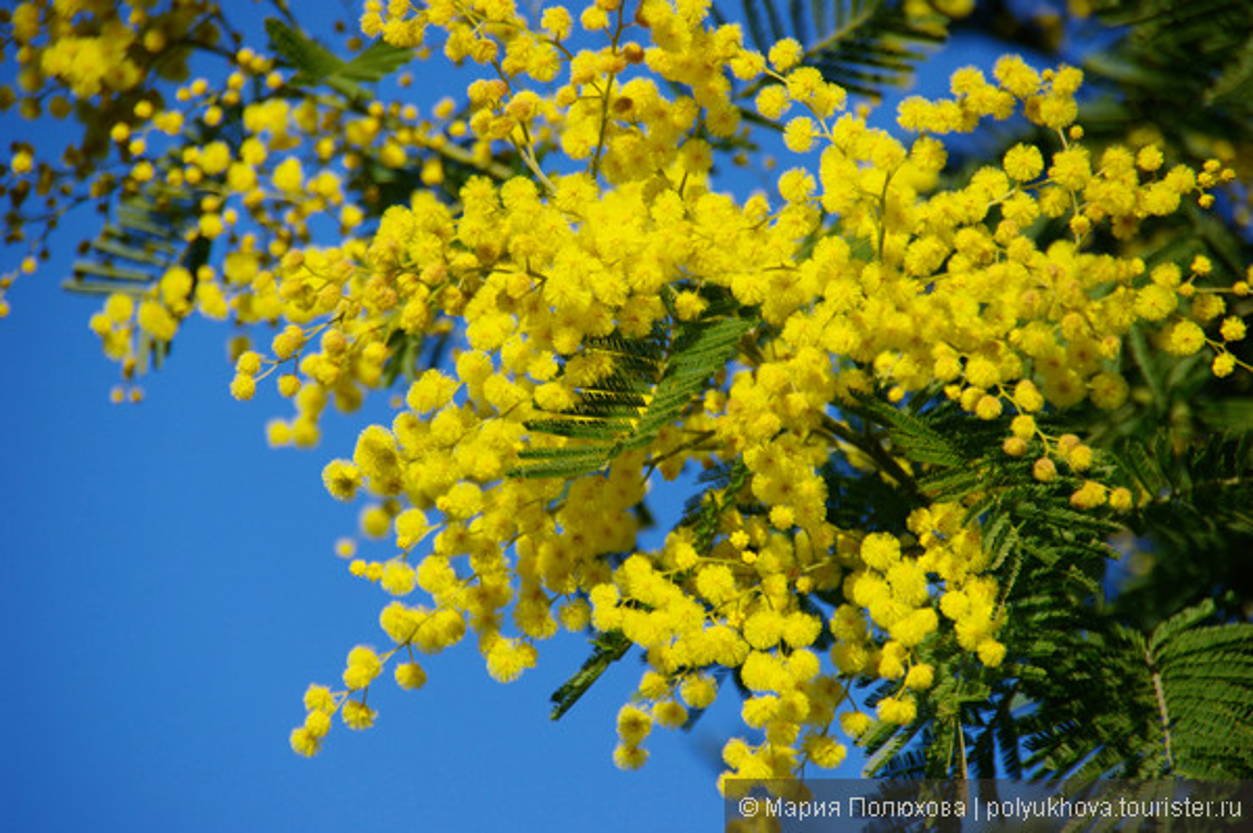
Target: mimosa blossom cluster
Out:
[865,272]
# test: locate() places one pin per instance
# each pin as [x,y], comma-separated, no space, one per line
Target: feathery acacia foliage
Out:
[650,383]
[1088,692]
[927,411]
[864,46]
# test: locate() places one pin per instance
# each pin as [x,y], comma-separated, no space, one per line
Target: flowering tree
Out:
[918,392]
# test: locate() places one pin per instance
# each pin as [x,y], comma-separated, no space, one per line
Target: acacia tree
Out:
[921,395]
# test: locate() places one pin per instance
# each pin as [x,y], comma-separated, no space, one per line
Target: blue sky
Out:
[170,589]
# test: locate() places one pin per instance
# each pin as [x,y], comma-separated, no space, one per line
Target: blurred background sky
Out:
[169,590]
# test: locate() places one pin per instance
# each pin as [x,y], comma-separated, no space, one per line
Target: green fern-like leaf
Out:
[863,45]
[376,62]
[1195,507]
[316,65]
[312,60]
[883,742]
[920,438]
[1177,700]
[607,649]
[131,253]
[139,245]
[653,380]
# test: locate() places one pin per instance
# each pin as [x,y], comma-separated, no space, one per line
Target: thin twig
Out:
[873,450]
[1160,693]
